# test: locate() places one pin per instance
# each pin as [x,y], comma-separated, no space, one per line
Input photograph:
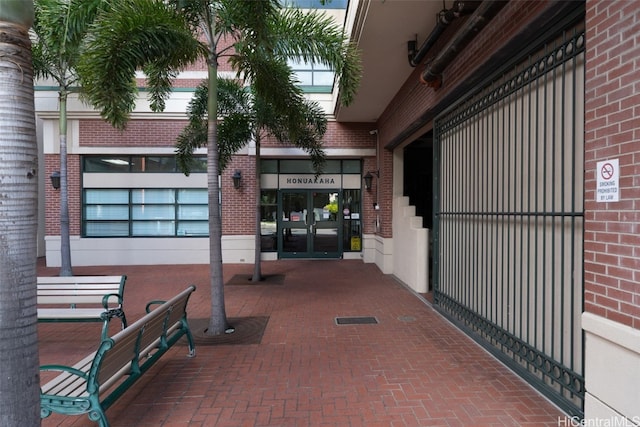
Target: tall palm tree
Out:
[246,117]
[161,37]
[60,28]
[19,385]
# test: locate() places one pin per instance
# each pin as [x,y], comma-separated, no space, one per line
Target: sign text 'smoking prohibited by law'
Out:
[608,181]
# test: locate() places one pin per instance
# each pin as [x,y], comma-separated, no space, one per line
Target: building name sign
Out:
[310,181]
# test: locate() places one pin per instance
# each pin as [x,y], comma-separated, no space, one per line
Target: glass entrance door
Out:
[309,224]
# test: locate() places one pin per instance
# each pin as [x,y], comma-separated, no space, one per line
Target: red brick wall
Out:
[239,205]
[52,197]
[381,193]
[612,131]
[139,133]
[340,135]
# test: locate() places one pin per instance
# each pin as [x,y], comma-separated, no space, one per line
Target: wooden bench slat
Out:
[152,331]
[71,387]
[75,313]
[60,384]
[71,282]
[110,382]
[68,300]
[67,285]
[90,290]
[122,353]
[174,315]
[79,279]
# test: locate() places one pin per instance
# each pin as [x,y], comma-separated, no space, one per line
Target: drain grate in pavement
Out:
[367,320]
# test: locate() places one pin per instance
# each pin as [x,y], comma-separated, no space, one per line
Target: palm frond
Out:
[271,79]
[233,97]
[315,37]
[234,131]
[193,11]
[127,37]
[253,19]
[290,33]
[192,137]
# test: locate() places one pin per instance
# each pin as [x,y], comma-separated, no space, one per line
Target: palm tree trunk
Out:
[257,264]
[19,385]
[65,244]
[218,321]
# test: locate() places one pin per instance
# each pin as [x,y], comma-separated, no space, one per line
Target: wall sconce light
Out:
[368,179]
[237,178]
[55,180]
[412,49]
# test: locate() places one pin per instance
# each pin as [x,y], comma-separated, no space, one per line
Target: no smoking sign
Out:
[608,186]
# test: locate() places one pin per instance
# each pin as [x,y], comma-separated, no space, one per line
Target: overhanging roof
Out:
[381,30]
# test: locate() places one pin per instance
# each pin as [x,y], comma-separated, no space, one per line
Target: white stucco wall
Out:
[130,251]
[378,250]
[612,372]
[151,251]
[410,246]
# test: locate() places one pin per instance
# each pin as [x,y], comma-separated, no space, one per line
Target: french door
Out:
[309,224]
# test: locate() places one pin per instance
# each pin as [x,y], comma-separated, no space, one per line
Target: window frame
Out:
[175,221]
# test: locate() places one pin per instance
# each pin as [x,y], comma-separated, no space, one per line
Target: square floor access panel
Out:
[364,320]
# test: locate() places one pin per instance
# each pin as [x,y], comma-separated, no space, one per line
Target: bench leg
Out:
[119,313]
[99,416]
[123,319]
[192,347]
[106,318]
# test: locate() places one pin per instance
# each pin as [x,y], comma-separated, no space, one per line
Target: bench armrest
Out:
[154,302]
[63,368]
[105,300]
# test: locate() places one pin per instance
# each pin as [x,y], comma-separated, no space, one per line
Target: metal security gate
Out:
[508,217]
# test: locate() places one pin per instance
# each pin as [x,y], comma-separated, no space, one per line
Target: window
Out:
[312,77]
[306,166]
[352,222]
[268,220]
[148,212]
[315,4]
[139,164]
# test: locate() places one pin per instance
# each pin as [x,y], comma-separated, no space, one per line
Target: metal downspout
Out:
[459,8]
[432,75]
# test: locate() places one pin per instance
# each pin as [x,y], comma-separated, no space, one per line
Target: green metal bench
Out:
[92,385]
[81,298]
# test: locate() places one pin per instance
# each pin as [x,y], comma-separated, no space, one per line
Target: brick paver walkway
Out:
[413,368]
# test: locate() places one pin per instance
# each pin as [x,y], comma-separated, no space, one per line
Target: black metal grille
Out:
[508,218]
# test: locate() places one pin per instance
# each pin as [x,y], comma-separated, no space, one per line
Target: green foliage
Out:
[314,37]
[163,37]
[129,36]
[243,117]
[234,131]
[60,28]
